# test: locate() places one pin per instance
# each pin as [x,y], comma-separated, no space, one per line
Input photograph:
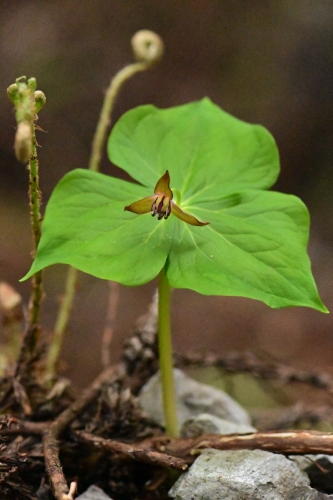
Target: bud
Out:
[148,47]
[21,79]
[23,141]
[40,100]
[12,93]
[32,84]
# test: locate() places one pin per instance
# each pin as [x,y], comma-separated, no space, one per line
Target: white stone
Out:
[192,398]
[239,474]
[93,493]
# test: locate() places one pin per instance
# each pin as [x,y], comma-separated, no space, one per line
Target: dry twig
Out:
[24,427]
[285,442]
[132,452]
[59,425]
[162,451]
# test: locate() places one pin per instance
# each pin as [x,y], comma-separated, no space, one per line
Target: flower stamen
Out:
[161,206]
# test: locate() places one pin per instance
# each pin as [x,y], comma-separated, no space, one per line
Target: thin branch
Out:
[25,427]
[285,442]
[59,425]
[132,452]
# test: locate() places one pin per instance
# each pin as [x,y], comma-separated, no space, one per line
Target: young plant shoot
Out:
[27,103]
[203,175]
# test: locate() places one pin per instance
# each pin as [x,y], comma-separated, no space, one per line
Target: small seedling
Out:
[27,103]
[215,228]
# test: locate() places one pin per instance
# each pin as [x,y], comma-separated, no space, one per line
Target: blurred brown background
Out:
[266,62]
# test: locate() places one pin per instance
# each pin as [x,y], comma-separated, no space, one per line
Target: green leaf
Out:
[86,226]
[255,244]
[208,152]
[254,247]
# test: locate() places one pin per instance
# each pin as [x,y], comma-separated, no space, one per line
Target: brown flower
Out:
[162,204]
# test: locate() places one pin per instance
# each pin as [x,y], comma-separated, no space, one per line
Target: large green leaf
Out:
[255,244]
[254,247]
[86,226]
[208,152]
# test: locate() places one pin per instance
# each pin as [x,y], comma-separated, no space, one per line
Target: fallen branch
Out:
[59,425]
[161,451]
[249,363]
[24,427]
[132,452]
[285,442]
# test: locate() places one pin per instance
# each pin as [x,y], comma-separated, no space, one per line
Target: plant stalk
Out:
[165,356]
[61,322]
[105,115]
[34,203]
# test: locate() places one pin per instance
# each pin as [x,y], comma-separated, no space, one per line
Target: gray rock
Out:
[239,475]
[93,493]
[210,424]
[307,493]
[192,398]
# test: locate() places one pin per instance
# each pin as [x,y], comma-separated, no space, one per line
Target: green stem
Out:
[35,201]
[95,158]
[104,118]
[165,356]
[61,323]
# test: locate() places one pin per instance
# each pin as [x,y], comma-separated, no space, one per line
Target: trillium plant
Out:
[197,214]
